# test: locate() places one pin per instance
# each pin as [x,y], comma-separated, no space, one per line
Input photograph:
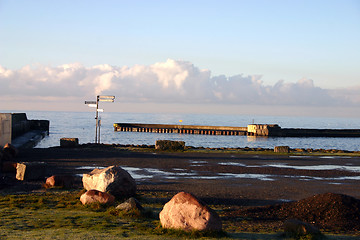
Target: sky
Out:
[260,57]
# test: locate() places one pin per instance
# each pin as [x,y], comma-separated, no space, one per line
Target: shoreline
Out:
[229,180]
[261,173]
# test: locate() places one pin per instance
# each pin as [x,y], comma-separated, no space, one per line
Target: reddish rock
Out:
[66,181]
[184,211]
[95,196]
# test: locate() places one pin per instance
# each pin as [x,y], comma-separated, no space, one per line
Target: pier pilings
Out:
[182,129]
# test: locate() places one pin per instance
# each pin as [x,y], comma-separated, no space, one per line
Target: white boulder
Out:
[113,180]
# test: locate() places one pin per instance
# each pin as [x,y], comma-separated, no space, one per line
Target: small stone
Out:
[130,204]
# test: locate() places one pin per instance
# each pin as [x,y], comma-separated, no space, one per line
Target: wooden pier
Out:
[264,130]
[185,129]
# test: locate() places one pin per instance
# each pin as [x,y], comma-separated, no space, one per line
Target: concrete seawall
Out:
[16,129]
[261,130]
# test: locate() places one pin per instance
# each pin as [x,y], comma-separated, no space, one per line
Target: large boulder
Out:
[95,196]
[184,211]
[113,179]
[31,171]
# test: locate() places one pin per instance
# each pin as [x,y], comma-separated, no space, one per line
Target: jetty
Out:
[264,130]
[185,129]
[17,130]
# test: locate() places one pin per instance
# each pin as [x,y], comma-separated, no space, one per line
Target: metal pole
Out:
[96,118]
[99,125]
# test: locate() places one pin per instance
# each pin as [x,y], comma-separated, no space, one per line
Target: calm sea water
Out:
[82,125]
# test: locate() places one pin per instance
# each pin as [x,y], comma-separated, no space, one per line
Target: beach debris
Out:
[95,196]
[297,228]
[169,145]
[184,211]
[129,205]
[281,149]
[113,179]
[69,142]
[31,170]
[64,181]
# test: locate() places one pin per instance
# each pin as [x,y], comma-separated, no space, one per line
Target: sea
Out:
[81,125]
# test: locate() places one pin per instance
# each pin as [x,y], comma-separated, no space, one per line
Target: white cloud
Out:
[165,82]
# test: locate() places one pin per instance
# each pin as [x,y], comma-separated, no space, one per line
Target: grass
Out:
[59,214]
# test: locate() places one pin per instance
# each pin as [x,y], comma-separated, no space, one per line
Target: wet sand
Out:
[217,178]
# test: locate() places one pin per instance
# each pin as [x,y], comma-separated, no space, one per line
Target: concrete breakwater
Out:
[265,130]
[16,129]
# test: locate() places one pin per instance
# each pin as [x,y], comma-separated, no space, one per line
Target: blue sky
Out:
[277,40]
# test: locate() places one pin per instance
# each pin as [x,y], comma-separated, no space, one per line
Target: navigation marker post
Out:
[95,104]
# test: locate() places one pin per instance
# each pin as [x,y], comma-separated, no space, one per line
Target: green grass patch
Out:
[59,214]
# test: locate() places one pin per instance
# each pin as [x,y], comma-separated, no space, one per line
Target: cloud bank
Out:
[167,82]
